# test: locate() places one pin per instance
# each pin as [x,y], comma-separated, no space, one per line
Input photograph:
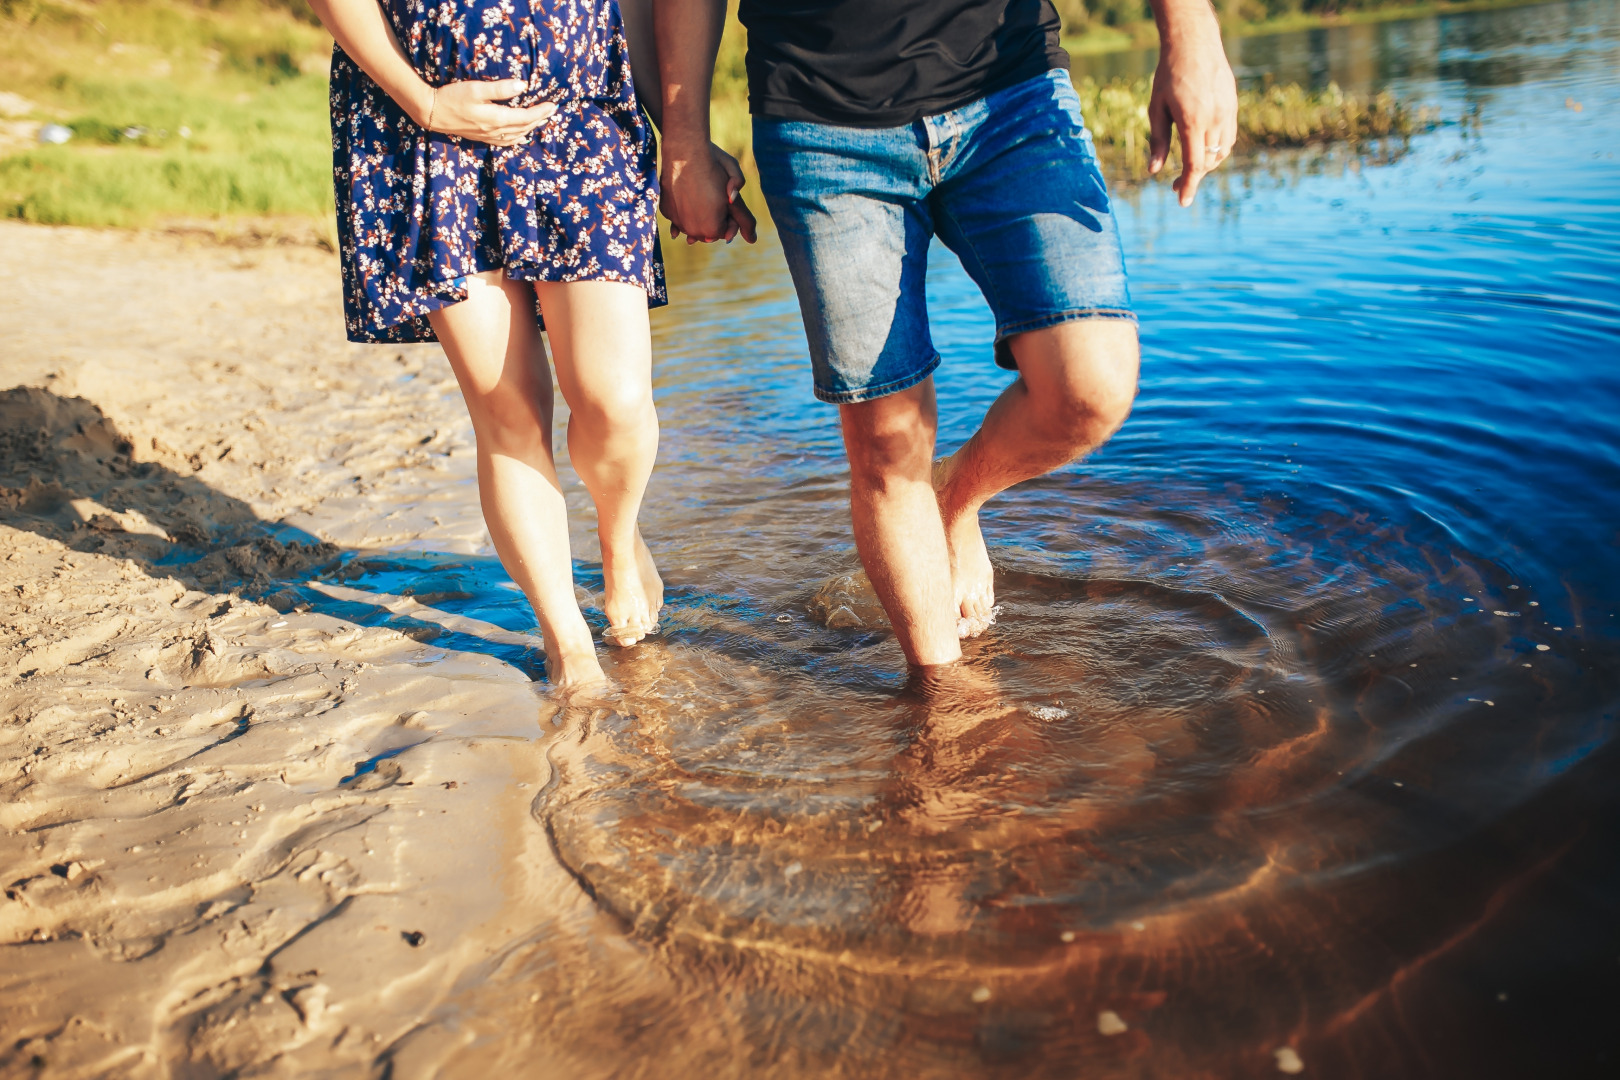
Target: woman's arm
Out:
[465,109]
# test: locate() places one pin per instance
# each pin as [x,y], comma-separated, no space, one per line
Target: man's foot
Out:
[633,595]
[972,576]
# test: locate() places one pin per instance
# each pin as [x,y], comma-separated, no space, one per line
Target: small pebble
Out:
[1066,937]
[981,995]
[278,625]
[794,867]
[1109,1023]
[1513,586]
[1288,1061]
[784,618]
[1535,603]
[1543,648]
[1470,599]
[1138,925]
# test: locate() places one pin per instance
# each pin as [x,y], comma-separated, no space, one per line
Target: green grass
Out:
[177,110]
[215,111]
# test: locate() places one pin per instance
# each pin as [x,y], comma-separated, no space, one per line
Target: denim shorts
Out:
[1009,182]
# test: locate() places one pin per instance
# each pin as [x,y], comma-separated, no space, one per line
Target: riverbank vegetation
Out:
[1100,26]
[215,112]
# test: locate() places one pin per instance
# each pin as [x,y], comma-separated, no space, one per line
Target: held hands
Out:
[468,110]
[1193,89]
[702,195]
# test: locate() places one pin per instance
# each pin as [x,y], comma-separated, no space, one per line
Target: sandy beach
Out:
[188,888]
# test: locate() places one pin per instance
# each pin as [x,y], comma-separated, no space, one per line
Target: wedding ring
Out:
[1213,149]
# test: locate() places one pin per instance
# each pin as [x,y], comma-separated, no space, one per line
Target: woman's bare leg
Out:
[603,348]
[494,346]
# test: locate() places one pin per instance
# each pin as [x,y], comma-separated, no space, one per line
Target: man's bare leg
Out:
[898,532]
[1075,385]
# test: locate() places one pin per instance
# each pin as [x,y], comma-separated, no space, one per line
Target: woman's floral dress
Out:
[417,212]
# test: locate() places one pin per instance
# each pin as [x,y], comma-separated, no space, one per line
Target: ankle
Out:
[618,549]
[958,516]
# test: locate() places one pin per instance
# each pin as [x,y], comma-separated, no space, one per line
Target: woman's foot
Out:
[972,577]
[633,594]
[574,669]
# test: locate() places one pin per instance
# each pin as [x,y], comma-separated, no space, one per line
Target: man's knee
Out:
[886,443]
[1091,412]
[1081,378]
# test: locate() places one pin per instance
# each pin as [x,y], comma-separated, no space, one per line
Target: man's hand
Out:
[1193,89]
[701,196]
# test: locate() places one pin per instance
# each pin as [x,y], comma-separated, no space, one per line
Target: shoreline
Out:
[1145,35]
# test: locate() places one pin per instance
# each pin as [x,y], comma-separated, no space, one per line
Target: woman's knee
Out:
[511,419]
[615,410]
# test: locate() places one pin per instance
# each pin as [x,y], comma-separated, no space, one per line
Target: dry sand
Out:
[188,889]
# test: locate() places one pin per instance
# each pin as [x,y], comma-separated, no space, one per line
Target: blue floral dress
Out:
[417,212]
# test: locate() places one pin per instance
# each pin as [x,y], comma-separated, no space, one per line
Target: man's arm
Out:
[639,35]
[700,184]
[1193,89]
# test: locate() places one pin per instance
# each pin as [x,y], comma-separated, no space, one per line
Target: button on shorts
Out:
[1009,182]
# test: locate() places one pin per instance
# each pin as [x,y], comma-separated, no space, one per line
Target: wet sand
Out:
[188,887]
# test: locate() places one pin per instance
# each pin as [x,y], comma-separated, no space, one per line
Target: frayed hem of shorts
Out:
[1004,357]
[870,393]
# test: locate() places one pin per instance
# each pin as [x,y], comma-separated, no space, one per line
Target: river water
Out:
[1294,744]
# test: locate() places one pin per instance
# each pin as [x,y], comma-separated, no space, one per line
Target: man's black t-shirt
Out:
[883,63]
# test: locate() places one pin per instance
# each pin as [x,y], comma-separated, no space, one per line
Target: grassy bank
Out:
[1092,27]
[215,113]
[177,111]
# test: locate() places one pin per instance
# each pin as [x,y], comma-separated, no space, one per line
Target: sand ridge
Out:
[236,835]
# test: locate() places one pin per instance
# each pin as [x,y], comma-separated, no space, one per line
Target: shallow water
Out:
[1296,731]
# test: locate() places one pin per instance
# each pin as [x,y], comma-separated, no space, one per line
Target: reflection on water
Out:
[1293,745]
[1501,48]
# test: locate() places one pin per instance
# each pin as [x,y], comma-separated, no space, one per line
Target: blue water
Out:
[1298,729]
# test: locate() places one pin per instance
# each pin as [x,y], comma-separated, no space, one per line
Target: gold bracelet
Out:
[433,105]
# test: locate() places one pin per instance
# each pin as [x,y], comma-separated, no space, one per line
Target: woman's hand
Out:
[468,110]
[464,109]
